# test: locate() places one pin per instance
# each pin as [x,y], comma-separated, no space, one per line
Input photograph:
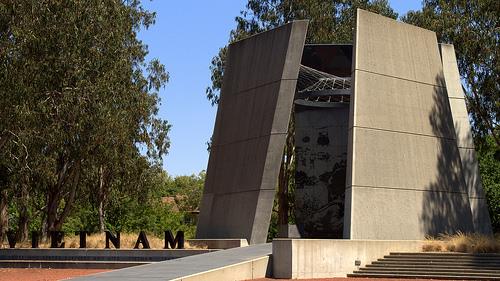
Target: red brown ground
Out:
[42,274]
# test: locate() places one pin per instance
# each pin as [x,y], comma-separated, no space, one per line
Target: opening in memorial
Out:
[319,140]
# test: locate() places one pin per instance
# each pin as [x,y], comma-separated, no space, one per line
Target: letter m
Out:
[178,241]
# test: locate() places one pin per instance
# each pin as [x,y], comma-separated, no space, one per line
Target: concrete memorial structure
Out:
[380,152]
[383,148]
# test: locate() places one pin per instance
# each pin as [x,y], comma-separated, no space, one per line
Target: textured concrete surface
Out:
[233,264]
[470,168]
[249,134]
[320,258]
[404,175]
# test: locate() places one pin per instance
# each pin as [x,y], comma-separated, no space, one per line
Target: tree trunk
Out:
[4,215]
[74,181]
[282,194]
[285,175]
[102,198]
[22,230]
[52,204]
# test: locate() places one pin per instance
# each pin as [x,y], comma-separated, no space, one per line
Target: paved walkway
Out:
[171,269]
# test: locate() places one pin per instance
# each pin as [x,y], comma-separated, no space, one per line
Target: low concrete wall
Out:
[320,258]
[149,255]
[252,269]
[218,243]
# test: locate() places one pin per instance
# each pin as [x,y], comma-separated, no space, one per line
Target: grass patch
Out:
[463,243]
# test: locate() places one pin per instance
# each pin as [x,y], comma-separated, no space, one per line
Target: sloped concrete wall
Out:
[404,178]
[249,134]
[470,168]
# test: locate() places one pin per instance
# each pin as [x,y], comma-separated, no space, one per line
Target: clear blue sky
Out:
[187,34]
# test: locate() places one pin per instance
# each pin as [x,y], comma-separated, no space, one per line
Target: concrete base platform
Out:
[218,243]
[66,264]
[228,265]
[323,258]
[139,255]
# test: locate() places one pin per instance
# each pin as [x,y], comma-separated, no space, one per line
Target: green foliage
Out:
[145,209]
[489,165]
[187,190]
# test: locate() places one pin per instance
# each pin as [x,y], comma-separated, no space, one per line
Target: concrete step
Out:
[434,265]
[423,276]
[431,266]
[447,257]
[427,262]
[429,272]
[443,254]
[68,264]
[441,269]
[442,259]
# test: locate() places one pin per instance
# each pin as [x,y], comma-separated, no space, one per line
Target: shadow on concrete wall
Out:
[446,207]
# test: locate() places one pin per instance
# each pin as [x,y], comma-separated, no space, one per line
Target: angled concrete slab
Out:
[465,142]
[233,264]
[404,175]
[249,134]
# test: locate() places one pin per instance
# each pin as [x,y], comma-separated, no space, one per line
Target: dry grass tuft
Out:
[98,241]
[464,243]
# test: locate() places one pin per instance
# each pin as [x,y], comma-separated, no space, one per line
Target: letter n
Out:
[115,240]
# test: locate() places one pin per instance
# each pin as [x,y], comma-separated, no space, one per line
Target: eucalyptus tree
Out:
[78,97]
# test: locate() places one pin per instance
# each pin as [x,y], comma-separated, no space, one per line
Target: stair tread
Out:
[436,265]
[424,276]
[431,272]
[451,267]
[497,270]
[437,261]
[443,257]
[445,254]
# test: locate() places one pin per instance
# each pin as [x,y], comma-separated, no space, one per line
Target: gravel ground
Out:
[39,274]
